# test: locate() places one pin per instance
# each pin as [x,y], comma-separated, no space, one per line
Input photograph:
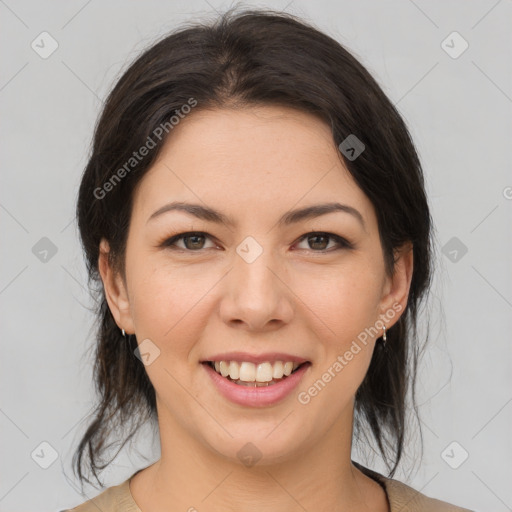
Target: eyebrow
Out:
[291,217]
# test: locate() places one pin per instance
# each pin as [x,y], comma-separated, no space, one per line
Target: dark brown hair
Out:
[253,57]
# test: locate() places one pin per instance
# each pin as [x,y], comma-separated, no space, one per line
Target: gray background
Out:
[458,111]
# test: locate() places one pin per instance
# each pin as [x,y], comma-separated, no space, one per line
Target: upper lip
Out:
[256,358]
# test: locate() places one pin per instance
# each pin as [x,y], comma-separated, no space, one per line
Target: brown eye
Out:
[192,241]
[319,241]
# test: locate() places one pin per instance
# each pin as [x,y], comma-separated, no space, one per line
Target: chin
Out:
[261,444]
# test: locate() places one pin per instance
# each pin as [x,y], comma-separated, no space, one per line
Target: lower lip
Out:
[257,396]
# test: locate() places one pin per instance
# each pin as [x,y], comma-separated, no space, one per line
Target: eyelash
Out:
[169,242]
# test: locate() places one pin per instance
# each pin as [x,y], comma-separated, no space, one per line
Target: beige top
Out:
[401,498]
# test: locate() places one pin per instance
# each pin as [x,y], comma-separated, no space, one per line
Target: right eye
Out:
[193,241]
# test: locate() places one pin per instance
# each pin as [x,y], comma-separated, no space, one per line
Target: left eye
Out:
[319,239]
[194,241]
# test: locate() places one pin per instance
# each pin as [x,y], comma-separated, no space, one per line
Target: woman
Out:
[255,214]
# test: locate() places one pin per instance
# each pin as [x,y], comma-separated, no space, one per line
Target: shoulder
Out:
[404,498]
[113,499]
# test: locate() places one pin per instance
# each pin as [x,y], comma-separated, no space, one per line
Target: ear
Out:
[396,287]
[115,290]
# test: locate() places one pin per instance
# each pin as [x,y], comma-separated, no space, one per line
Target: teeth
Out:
[277,370]
[224,368]
[234,370]
[264,372]
[250,372]
[288,368]
[247,372]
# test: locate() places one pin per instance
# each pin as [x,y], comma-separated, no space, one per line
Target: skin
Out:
[307,299]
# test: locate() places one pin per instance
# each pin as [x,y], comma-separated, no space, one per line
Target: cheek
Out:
[171,306]
[343,300]
[344,308]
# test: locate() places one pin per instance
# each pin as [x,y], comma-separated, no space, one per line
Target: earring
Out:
[384,337]
[123,332]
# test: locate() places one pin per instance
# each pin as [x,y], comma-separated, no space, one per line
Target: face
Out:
[310,287]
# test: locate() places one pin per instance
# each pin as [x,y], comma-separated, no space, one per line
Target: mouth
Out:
[262,384]
[249,374]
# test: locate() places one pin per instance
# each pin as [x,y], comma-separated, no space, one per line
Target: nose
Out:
[256,296]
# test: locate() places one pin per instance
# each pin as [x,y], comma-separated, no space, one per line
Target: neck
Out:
[191,476]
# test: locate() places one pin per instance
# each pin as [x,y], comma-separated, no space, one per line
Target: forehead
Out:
[247,161]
